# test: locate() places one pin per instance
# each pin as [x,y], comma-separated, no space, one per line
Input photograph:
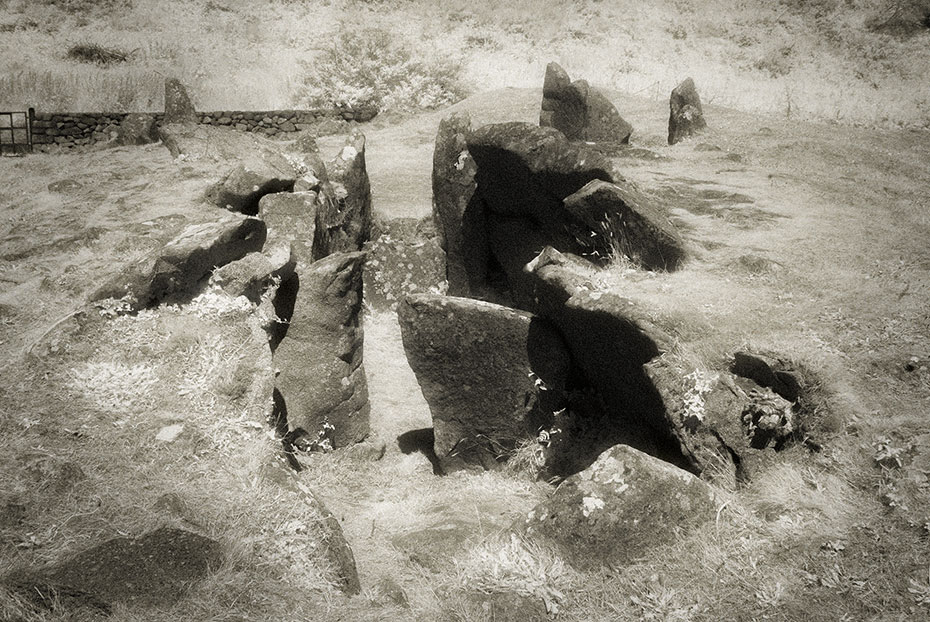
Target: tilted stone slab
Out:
[622,219]
[477,365]
[618,509]
[179,267]
[322,378]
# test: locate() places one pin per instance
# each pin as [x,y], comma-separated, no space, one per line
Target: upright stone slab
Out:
[322,379]
[686,116]
[618,509]
[478,364]
[580,111]
[344,211]
[137,129]
[457,209]
[290,217]
[178,106]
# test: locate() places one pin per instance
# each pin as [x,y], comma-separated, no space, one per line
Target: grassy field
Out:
[852,61]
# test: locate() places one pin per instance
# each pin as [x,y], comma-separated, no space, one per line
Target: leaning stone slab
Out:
[621,507]
[344,211]
[177,269]
[478,364]
[580,111]
[322,379]
[617,217]
[686,116]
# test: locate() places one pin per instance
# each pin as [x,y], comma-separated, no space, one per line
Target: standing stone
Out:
[322,378]
[478,364]
[291,219]
[580,111]
[344,212]
[686,117]
[137,129]
[178,106]
[619,508]
[457,208]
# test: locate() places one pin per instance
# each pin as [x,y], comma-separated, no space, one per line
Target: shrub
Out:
[98,54]
[371,67]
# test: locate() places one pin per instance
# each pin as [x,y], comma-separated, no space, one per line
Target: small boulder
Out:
[619,508]
[178,106]
[322,379]
[344,212]
[402,258]
[686,116]
[177,269]
[155,569]
[623,219]
[768,372]
[254,274]
[137,129]
[580,111]
[457,208]
[479,366]
[244,186]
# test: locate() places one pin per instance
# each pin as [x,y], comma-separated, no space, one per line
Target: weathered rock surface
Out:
[477,364]
[510,606]
[137,129]
[335,547]
[291,219]
[257,166]
[686,116]
[322,379]
[403,258]
[344,211]
[457,209]
[254,274]
[619,508]
[580,111]
[624,220]
[178,106]
[524,174]
[178,268]
[610,338]
[154,569]
[768,372]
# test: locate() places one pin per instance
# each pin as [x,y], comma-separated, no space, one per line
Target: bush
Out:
[93,53]
[371,67]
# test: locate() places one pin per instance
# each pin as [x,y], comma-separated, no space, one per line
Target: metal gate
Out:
[16,132]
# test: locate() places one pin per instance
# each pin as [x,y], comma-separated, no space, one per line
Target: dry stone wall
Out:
[68,130]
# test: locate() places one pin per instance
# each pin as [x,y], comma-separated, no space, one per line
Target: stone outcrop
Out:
[457,209]
[322,380]
[137,129]
[178,105]
[179,267]
[686,116]
[580,111]
[344,211]
[619,508]
[624,220]
[479,366]
[404,257]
